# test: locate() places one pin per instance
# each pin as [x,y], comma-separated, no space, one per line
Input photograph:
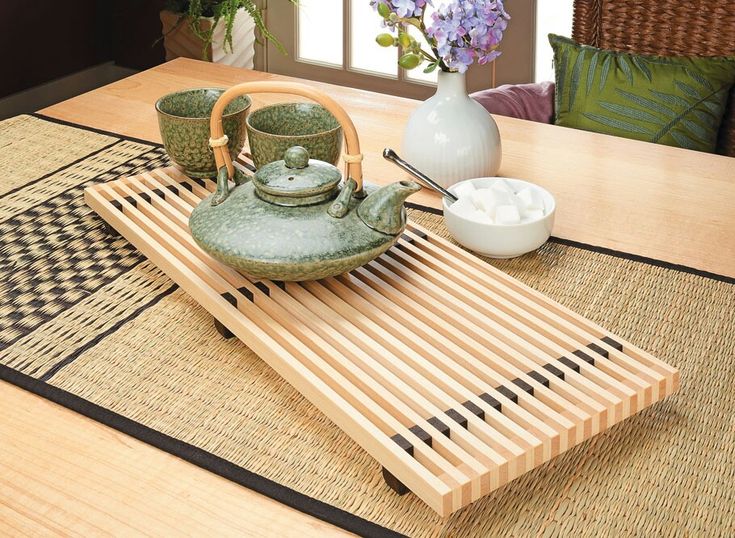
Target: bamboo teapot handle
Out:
[352,157]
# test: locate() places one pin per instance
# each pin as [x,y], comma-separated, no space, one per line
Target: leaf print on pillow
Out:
[678,101]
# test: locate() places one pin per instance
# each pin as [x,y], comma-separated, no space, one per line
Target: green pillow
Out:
[677,101]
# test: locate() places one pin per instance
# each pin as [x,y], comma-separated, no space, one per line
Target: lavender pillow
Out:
[534,102]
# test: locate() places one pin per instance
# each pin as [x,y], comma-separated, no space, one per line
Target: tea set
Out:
[297,217]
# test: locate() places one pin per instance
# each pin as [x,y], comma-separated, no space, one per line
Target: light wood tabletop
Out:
[664,203]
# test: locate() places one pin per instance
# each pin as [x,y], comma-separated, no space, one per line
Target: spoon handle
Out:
[391,155]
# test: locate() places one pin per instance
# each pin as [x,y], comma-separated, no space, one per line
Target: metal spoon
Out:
[391,155]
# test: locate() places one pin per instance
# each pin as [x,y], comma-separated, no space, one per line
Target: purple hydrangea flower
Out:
[460,32]
[468,31]
[403,8]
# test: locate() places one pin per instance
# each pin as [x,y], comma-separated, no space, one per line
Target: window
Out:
[319,32]
[365,54]
[334,41]
[552,17]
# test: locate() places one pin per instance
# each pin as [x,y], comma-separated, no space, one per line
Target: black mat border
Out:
[40,116]
[197,456]
[74,355]
[611,252]
[227,469]
[185,451]
[60,169]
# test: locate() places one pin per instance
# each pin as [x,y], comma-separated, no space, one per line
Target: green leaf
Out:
[707,118]
[431,67]
[715,105]
[685,111]
[607,62]
[671,99]
[689,90]
[561,78]
[617,124]
[699,78]
[591,70]
[684,141]
[633,113]
[641,65]
[715,108]
[576,71]
[650,104]
[696,129]
[625,68]
[659,60]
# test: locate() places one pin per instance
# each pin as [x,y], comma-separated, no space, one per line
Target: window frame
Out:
[515,65]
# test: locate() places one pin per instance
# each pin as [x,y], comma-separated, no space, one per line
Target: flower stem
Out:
[428,56]
[438,59]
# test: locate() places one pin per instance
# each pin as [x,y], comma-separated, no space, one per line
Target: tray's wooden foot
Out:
[224,331]
[109,230]
[393,483]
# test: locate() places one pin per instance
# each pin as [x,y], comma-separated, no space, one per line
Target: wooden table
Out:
[664,203]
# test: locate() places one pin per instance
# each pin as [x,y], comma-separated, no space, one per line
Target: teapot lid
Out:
[297,180]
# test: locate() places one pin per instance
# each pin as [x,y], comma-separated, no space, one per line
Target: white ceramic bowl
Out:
[500,240]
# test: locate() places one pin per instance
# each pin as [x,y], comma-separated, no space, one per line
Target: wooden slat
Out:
[456,384]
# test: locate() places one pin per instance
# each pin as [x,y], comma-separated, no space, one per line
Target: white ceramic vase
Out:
[450,136]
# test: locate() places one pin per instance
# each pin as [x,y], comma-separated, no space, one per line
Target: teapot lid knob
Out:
[296,180]
[296,157]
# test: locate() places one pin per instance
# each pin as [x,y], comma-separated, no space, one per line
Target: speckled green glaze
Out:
[292,241]
[274,129]
[284,243]
[297,180]
[183,118]
[372,210]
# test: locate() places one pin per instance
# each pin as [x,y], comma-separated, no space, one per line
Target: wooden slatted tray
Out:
[454,376]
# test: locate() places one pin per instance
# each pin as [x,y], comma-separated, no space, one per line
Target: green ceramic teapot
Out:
[297,219]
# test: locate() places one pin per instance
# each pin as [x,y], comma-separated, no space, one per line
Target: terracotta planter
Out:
[180,41]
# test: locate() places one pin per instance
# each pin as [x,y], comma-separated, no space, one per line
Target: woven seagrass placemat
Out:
[88,322]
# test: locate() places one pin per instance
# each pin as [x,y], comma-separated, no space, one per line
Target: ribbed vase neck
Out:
[451,85]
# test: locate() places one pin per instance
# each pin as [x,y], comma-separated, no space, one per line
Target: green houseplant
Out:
[222,31]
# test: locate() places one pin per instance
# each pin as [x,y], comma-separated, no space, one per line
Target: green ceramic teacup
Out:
[273,129]
[183,118]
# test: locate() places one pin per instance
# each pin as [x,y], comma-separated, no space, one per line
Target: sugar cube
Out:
[530,198]
[488,199]
[483,198]
[481,216]
[501,185]
[507,214]
[463,207]
[531,215]
[464,190]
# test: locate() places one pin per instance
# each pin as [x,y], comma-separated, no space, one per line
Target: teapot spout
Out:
[383,210]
